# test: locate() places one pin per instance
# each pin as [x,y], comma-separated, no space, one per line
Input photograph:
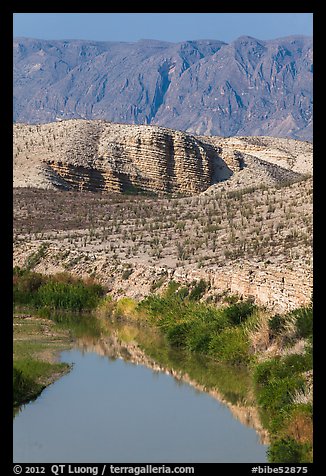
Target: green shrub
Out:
[277,368]
[238,313]
[279,392]
[268,370]
[198,290]
[297,363]
[231,346]
[199,336]
[171,289]
[217,320]
[23,387]
[276,325]
[304,321]
[183,292]
[176,333]
[25,285]
[160,309]
[288,450]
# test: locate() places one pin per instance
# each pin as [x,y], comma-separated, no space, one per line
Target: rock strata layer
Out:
[100,156]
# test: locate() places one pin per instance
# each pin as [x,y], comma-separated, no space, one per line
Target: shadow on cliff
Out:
[219,169]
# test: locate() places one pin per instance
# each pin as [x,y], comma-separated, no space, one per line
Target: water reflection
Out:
[146,346]
[120,404]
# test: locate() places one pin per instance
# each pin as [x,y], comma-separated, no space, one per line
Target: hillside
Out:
[204,87]
[236,212]
[254,242]
[103,156]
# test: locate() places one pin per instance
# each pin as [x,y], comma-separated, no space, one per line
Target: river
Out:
[130,398]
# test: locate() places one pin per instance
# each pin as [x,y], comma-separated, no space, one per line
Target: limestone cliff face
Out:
[102,156]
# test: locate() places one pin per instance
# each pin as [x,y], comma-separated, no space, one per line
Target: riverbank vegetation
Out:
[200,327]
[284,387]
[37,343]
[275,349]
[61,291]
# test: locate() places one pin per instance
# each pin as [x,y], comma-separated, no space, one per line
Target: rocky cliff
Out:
[103,156]
[247,87]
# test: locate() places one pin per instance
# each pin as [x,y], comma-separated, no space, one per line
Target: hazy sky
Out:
[161,26]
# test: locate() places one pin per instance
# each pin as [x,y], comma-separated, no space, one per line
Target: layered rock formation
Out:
[103,156]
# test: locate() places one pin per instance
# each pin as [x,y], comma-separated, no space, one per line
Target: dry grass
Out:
[300,427]
[259,335]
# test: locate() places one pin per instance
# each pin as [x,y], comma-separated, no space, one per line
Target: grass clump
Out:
[58,292]
[36,344]
[198,326]
[75,296]
[198,290]
[239,312]
[288,450]
[24,388]
[126,308]
[304,321]
[293,325]
[231,346]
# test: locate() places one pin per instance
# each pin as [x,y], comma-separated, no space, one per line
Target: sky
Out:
[172,27]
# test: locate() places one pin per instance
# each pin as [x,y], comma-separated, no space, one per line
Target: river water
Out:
[129,398]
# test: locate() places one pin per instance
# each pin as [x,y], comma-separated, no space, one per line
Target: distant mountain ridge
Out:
[204,87]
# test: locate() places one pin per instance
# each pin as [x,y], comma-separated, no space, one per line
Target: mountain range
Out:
[249,87]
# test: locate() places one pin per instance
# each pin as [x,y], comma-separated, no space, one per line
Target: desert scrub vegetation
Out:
[37,256]
[175,232]
[58,292]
